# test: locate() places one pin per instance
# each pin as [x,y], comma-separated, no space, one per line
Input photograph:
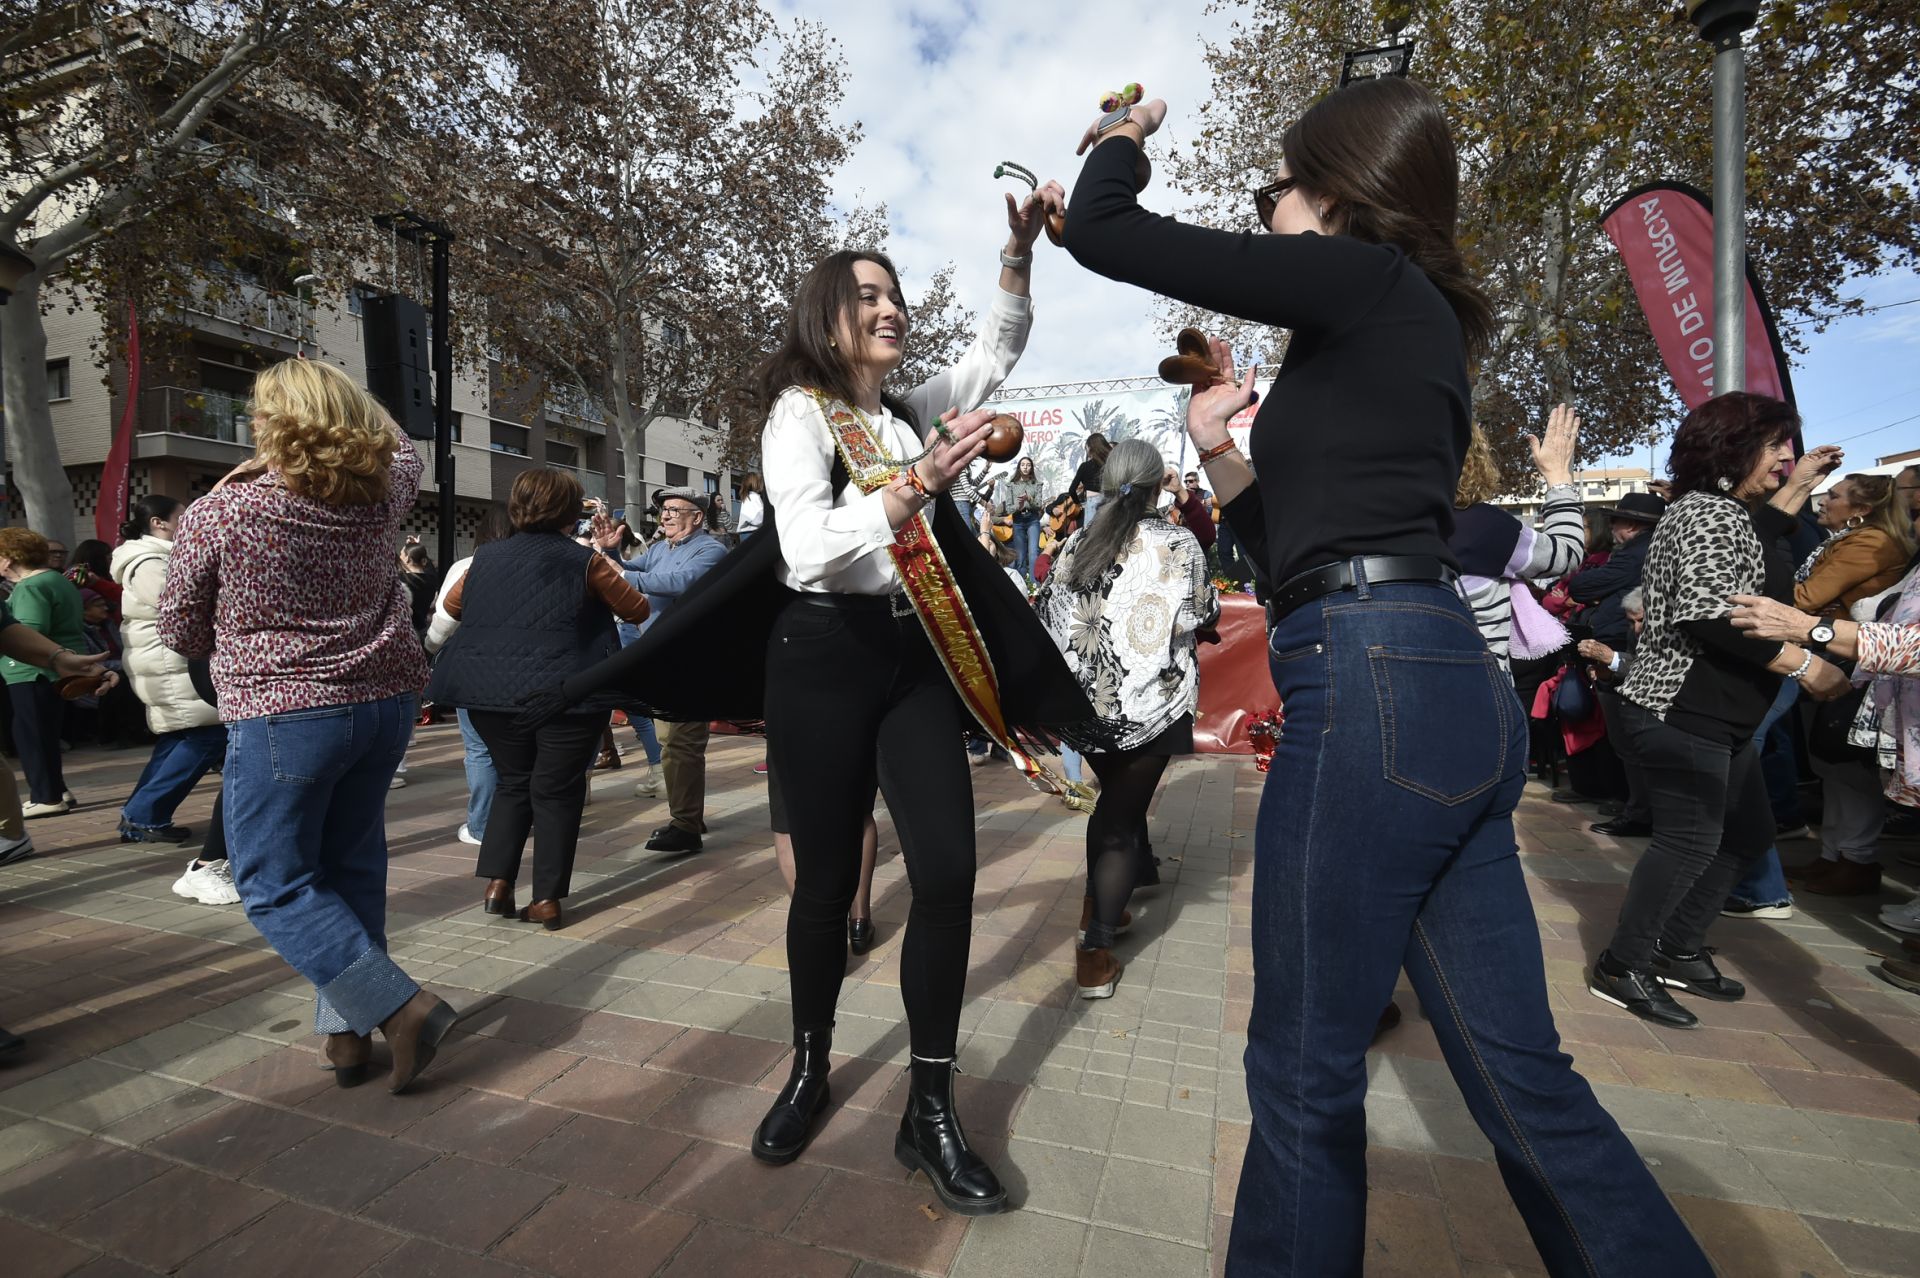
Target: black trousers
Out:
[852,690]
[38,715]
[542,790]
[1711,820]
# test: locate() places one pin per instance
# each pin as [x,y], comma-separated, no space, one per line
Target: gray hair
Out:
[1130,492]
[1635,602]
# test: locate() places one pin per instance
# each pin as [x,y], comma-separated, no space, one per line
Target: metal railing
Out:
[251,306]
[186,410]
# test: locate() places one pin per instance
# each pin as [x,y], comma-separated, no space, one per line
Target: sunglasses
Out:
[1267,198]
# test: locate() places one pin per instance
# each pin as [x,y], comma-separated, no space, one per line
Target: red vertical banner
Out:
[116,476]
[1664,232]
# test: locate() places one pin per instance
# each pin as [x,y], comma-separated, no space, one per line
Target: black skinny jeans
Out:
[542,790]
[1711,820]
[851,690]
[38,715]
[1117,828]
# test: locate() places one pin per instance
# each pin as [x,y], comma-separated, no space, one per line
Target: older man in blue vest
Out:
[684,552]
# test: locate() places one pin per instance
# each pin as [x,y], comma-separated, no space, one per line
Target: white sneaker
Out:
[16,850]
[648,787]
[209,884]
[32,810]
[1902,918]
[68,799]
[466,835]
[399,782]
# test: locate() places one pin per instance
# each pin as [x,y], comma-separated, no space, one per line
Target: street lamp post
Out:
[1721,23]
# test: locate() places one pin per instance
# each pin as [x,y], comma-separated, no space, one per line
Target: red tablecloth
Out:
[1235,685]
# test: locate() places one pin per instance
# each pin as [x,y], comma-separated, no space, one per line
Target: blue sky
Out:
[946,89]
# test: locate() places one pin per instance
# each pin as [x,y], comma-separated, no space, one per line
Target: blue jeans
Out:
[482,780]
[178,761]
[1026,543]
[649,738]
[1070,762]
[1385,839]
[306,808]
[1766,882]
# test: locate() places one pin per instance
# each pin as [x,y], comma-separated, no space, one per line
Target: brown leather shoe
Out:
[413,1035]
[607,761]
[1846,878]
[545,913]
[1809,871]
[1389,1018]
[347,1055]
[1899,973]
[499,898]
[1096,972]
[1086,916]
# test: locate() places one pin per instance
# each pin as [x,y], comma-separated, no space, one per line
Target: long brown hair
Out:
[1885,509]
[1381,151]
[806,355]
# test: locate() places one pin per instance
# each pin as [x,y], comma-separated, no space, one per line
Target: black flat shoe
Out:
[349,1056]
[671,838]
[931,1141]
[859,935]
[1696,975]
[1641,994]
[1621,828]
[788,1126]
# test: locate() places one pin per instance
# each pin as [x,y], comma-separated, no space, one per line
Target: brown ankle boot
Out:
[1095,972]
[499,898]
[545,913]
[1846,878]
[413,1034]
[347,1056]
[1808,871]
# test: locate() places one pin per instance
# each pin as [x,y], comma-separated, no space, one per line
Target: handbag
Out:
[1827,735]
[1573,698]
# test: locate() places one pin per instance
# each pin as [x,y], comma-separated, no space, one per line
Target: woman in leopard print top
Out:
[1697,691]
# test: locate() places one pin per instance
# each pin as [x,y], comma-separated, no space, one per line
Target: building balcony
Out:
[203,414]
[251,310]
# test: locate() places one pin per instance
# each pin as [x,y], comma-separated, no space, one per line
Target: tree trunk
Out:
[37,471]
[1551,328]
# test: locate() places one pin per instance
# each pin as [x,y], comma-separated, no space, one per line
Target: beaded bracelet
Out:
[1217,451]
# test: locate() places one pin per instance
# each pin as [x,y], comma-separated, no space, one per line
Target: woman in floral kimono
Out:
[1123,601]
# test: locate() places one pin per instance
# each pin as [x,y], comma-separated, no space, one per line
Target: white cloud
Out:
[947,90]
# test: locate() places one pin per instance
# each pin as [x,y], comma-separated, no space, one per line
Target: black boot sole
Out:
[351,1075]
[780,1156]
[911,1159]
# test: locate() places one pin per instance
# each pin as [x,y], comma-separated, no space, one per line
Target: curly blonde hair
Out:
[1480,477]
[329,439]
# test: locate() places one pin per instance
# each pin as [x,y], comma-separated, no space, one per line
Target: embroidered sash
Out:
[928,581]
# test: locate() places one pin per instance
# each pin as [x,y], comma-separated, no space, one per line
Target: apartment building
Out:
[191,424]
[1598,487]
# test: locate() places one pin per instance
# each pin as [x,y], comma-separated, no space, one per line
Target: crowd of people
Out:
[870,605]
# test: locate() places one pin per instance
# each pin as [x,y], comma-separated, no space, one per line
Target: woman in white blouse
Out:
[855,685]
[1123,601]
[753,506]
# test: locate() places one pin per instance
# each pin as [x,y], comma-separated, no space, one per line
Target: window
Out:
[567,455]
[712,481]
[59,380]
[673,335]
[676,476]
[357,300]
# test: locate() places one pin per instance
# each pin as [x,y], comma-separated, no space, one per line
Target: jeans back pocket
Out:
[310,745]
[1444,720]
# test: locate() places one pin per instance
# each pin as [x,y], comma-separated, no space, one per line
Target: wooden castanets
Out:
[1004,437]
[1194,365]
[1056,222]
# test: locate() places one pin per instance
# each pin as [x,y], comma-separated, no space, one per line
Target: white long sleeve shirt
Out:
[838,544]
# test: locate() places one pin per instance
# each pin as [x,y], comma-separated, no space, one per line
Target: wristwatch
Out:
[1111,119]
[1820,636]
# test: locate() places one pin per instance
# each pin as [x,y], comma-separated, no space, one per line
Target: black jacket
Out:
[1605,586]
[707,657]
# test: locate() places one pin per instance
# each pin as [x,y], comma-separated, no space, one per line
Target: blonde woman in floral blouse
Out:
[1123,602]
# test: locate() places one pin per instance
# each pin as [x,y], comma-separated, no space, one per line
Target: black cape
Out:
[706,658]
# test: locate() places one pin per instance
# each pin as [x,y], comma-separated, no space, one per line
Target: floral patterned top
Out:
[304,599]
[1129,639]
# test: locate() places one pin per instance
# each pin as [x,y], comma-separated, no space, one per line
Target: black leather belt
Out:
[848,603]
[1379,570]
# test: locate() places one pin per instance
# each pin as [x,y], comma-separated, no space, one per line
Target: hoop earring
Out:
[1725,485]
[1856,521]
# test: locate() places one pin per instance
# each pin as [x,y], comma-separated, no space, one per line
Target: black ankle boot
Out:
[931,1141]
[784,1132]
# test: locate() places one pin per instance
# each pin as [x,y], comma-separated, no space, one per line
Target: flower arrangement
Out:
[1264,732]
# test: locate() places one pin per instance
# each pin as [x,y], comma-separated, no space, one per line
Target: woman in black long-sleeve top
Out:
[1385,834]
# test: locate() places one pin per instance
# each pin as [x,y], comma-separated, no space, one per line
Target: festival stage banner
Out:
[117,474]
[1664,232]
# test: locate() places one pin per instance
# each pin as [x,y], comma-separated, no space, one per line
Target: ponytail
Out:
[149,508]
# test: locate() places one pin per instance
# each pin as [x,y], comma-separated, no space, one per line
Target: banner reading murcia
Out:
[1664,232]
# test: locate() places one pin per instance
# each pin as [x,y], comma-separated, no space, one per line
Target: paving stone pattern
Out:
[591,1113]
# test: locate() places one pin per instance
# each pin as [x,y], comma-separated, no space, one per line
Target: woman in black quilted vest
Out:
[533,609]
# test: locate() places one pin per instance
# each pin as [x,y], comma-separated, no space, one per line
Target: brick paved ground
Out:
[591,1115]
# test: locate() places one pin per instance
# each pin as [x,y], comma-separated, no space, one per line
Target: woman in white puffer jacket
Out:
[191,738]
